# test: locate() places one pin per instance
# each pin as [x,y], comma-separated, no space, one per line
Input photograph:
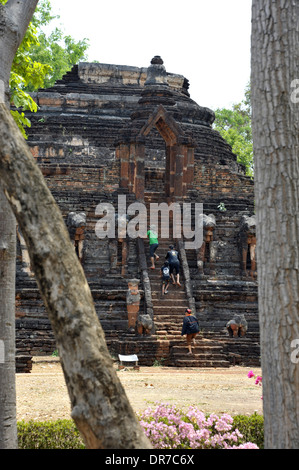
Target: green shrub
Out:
[60,434]
[252,428]
[63,434]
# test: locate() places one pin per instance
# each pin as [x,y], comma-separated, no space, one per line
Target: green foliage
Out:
[252,428]
[63,434]
[21,121]
[159,362]
[25,72]
[221,207]
[40,61]
[60,52]
[235,127]
[60,434]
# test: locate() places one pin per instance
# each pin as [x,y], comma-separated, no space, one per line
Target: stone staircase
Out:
[215,300]
[169,311]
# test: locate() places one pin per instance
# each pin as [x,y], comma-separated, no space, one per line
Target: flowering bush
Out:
[169,428]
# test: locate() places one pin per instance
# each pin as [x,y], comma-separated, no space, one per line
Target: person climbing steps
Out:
[165,274]
[172,257]
[154,243]
[190,328]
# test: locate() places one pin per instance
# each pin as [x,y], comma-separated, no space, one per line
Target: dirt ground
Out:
[42,394]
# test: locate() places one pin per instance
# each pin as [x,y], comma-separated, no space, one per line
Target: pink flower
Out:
[250,374]
[258,380]
[167,427]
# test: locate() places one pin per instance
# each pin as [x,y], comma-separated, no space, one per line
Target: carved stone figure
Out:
[247,243]
[207,249]
[133,303]
[76,223]
[144,324]
[237,326]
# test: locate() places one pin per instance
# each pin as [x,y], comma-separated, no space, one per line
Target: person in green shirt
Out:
[154,243]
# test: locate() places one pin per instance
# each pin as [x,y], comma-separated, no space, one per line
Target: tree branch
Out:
[20,14]
[100,407]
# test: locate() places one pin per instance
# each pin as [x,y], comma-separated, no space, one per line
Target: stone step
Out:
[170,335]
[174,292]
[157,280]
[171,311]
[200,348]
[171,298]
[170,324]
[192,361]
[168,321]
[173,329]
[198,356]
[166,301]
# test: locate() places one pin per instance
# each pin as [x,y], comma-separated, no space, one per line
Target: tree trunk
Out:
[8,429]
[275,114]
[14,19]
[100,407]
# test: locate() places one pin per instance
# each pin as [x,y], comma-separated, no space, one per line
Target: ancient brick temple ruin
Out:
[110,133]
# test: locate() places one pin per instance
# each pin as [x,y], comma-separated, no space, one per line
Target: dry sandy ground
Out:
[42,394]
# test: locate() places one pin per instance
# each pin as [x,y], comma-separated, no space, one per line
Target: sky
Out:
[206,41]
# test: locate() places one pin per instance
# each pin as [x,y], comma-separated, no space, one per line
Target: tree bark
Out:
[8,428]
[14,19]
[275,114]
[99,404]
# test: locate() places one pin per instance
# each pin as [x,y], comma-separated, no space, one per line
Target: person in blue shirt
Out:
[172,257]
[190,328]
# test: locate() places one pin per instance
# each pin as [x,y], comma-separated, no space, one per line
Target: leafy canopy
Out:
[235,127]
[40,61]
[56,49]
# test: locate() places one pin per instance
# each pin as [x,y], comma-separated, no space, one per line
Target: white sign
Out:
[132,358]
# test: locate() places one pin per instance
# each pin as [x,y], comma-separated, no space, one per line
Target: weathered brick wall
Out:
[33,330]
[73,139]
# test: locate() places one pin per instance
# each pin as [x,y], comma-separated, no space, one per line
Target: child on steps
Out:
[165,274]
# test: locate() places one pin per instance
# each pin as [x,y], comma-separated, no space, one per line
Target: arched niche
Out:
[179,157]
